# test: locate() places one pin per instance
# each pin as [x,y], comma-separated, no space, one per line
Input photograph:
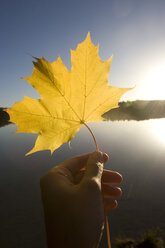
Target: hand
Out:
[73,195]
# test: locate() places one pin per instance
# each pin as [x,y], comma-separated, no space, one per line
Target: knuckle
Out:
[99,167]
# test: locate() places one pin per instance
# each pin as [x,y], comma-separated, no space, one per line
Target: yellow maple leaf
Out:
[69,99]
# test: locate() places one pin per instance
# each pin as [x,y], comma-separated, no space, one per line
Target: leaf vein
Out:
[96,108]
[65,130]
[49,116]
[52,80]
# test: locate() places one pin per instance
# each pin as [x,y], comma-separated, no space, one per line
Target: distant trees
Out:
[137,110]
[4,118]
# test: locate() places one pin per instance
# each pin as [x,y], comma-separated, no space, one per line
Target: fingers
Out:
[105,157]
[94,166]
[111,191]
[108,177]
[111,177]
[110,204]
[75,164]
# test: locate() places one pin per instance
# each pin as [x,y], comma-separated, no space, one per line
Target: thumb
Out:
[94,166]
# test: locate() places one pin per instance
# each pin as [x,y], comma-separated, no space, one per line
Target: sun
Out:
[155,82]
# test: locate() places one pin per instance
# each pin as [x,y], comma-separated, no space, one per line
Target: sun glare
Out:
[158,127]
[155,83]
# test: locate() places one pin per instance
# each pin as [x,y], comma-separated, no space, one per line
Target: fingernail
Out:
[105,157]
[97,155]
[102,157]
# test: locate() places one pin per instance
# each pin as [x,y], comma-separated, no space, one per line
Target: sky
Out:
[133,31]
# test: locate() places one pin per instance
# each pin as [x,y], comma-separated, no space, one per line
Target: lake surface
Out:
[136,150]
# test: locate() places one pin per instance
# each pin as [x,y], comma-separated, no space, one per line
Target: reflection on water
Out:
[136,151]
[158,128]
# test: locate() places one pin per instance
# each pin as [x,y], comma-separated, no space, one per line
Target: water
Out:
[136,150]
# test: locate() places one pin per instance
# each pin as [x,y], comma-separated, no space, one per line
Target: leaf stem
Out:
[107,230]
[97,148]
[105,214]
